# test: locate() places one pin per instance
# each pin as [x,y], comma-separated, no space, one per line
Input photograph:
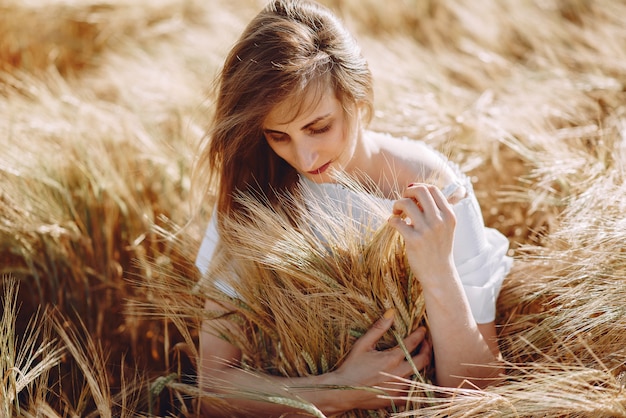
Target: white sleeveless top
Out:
[480,253]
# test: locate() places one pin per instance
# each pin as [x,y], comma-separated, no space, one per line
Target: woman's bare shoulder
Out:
[412,160]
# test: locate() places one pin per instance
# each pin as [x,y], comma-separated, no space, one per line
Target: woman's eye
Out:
[321,130]
[276,137]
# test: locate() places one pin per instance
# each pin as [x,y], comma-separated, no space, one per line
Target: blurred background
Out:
[103,102]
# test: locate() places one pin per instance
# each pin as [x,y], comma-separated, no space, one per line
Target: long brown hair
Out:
[289,48]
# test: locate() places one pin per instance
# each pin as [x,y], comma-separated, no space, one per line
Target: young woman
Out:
[294,97]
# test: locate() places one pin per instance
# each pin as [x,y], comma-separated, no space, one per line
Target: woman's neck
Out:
[368,163]
[361,155]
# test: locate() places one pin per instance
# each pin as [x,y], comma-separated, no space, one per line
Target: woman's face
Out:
[317,141]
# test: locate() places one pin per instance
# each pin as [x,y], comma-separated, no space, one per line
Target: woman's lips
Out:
[321,169]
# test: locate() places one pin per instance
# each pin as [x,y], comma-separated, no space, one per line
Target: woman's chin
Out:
[319,178]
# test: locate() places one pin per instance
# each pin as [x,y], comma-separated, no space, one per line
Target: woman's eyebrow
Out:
[272,131]
[314,121]
[304,128]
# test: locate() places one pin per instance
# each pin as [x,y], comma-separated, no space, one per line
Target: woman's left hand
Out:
[426,220]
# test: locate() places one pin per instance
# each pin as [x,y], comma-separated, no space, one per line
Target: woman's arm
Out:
[462,348]
[363,367]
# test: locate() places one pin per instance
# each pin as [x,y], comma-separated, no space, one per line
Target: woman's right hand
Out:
[365,366]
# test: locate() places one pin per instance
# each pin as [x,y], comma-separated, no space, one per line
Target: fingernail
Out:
[389,313]
[411,185]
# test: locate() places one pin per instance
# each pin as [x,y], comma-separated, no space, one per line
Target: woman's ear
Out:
[363,111]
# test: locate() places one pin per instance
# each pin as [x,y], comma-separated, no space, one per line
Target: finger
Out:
[415,190]
[430,198]
[417,362]
[425,196]
[407,208]
[454,192]
[409,193]
[422,358]
[369,340]
[409,343]
[422,195]
[410,189]
[414,339]
[442,203]
[401,225]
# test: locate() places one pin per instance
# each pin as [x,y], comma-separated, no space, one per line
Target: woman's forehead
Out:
[310,105]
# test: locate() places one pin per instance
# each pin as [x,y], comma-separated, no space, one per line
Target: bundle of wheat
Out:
[307,285]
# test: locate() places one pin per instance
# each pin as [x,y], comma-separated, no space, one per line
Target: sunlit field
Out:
[102,104]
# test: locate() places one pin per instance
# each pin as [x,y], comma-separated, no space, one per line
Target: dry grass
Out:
[25,360]
[102,102]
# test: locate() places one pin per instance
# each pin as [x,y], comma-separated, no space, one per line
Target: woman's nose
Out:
[307,157]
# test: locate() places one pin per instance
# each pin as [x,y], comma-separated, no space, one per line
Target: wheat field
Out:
[102,103]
